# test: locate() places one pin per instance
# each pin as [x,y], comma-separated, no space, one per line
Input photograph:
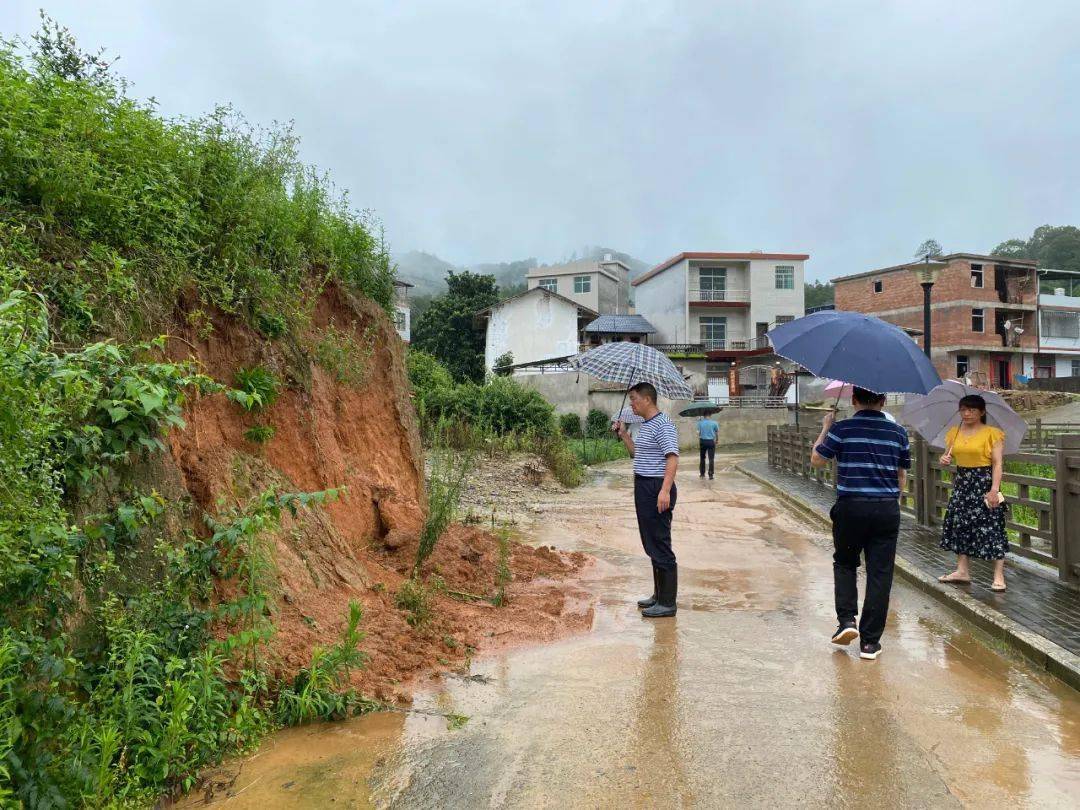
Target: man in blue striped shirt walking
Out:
[872,457]
[656,459]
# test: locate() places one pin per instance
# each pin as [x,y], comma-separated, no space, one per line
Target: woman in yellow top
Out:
[975,518]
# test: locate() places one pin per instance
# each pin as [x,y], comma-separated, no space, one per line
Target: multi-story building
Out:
[1059,324]
[711,310]
[402,313]
[982,313]
[600,285]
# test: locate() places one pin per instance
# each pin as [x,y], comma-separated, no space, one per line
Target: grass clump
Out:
[598,451]
[415,599]
[256,388]
[345,356]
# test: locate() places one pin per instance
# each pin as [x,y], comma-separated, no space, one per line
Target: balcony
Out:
[720,297]
[713,345]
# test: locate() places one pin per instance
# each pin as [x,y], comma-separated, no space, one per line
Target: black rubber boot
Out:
[649,601]
[667,593]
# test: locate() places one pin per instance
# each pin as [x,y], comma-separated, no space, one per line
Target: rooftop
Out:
[738,257]
[576,266]
[1029,264]
[621,325]
[582,310]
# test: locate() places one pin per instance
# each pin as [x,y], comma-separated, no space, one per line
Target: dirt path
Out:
[739,701]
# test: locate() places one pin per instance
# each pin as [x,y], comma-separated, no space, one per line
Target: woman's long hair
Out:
[974,401]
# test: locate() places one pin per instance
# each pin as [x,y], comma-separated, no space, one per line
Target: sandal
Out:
[999,587]
[953,580]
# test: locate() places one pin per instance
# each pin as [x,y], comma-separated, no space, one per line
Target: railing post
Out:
[927,484]
[1067,506]
[1038,435]
[920,467]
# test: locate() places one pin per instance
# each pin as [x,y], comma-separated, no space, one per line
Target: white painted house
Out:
[712,310]
[534,325]
[1059,324]
[602,285]
[402,311]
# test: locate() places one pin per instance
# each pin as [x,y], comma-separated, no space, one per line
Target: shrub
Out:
[260,434]
[570,424]
[445,484]
[598,424]
[562,462]
[598,451]
[426,373]
[503,363]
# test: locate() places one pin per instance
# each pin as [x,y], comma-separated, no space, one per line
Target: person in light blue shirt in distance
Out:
[707,429]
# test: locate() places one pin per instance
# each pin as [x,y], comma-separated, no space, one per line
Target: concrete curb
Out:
[1042,652]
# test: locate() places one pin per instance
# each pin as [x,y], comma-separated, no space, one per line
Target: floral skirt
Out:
[971,527]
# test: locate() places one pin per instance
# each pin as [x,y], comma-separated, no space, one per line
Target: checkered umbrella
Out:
[633,363]
[627,417]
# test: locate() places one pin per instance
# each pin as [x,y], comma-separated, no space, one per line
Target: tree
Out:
[818,293]
[1055,247]
[931,248]
[447,329]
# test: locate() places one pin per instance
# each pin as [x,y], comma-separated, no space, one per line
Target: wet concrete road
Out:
[738,702]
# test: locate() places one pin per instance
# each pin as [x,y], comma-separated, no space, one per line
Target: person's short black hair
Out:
[864,396]
[646,390]
[973,401]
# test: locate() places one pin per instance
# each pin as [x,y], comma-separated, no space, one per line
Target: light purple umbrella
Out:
[935,413]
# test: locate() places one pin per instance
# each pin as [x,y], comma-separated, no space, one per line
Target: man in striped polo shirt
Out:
[872,458]
[656,459]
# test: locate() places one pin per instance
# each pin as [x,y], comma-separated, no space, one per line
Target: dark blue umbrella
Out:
[856,348]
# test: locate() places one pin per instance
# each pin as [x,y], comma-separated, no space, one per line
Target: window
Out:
[976,320]
[549,284]
[712,278]
[719,369]
[785,277]
[976,276]
[1044,366]
[713,332]
[879,286]
[962,366]
[784,319]
[399,320]
[1059,324]
[582,284]
[1076,366]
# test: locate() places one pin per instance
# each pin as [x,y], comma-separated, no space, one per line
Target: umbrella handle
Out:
[626,393]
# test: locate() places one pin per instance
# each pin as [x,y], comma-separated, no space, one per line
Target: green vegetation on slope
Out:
[113,688]
[112,213]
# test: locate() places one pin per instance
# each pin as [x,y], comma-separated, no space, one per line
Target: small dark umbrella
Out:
[700,409]
[856,348]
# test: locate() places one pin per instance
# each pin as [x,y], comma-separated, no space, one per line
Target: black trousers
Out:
[870,528]
[708,447]
[654,527]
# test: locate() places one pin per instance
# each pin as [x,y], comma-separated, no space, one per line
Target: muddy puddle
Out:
[739,701]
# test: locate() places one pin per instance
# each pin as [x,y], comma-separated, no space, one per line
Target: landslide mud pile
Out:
[362,437]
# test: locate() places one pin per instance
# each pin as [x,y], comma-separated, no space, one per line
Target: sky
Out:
[495,131]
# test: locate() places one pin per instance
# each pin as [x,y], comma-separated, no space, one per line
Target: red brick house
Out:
[982,316]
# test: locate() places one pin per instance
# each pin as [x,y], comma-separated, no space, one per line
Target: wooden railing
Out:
[1045,520]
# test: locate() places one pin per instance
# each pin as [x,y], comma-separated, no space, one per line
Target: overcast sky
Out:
[501,130]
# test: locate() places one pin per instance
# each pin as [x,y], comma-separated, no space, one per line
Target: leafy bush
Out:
[598,425]
[427,374]
[260,434]
[570,424]
[503,363]
[444,488]
[256,388]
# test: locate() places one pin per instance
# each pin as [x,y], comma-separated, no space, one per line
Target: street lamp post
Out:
[927,273]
